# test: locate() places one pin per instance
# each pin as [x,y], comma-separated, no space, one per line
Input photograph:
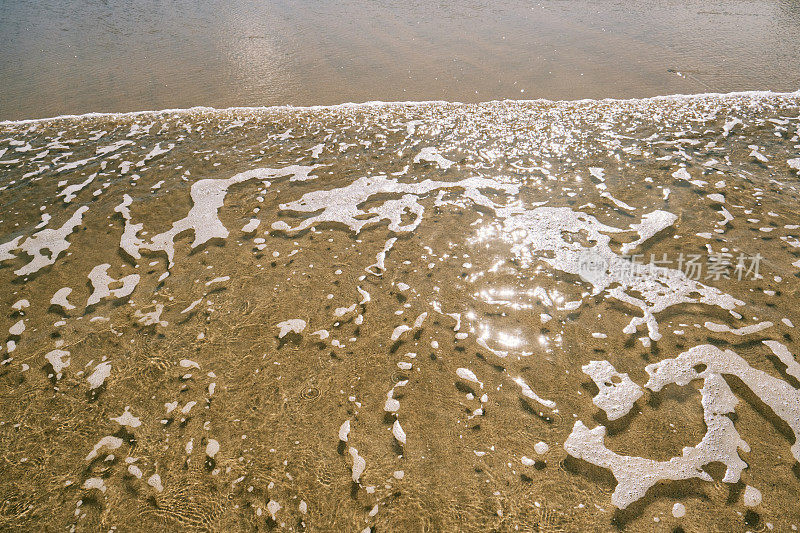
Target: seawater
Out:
[505,316]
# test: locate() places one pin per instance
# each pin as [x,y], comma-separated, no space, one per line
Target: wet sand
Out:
[385,317]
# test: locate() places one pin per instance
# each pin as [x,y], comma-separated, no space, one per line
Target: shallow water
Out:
[77,56]
[385,316]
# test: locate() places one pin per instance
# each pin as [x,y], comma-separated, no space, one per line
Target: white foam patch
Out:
[295,325]
[379,266]
[359,464]
[107,443]
[53,240]
[432,155]
[128,420]
[105,150]
[746,330]
[398,432]
[341,205]
[70,192]
[391,405]
[19,305]
[341,311]
[752,496]
[316,150]
[59,360]
[755,154]
[151,318]
[212,448]
[7,247]
[17,329]
[74,164]
[785,356]
[469,375]
[365,297]
[99,376]
[483,344]
[729,125]
[683,174]
[129,242]
[344,431]
[94,483]
[251,225]
[399,330]
[617,202]
[155,152]
[528,393]
[617,392]
[635,475]
[220,279]
[101,281]
[598,173]
[726,217]
[538,235]
[60,298]
[208,196]
[155,482]
[651,224]
[191,306]
[273,507]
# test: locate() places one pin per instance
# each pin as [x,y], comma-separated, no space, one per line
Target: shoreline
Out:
[379,103]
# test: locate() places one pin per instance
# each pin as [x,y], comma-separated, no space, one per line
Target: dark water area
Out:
[77,56]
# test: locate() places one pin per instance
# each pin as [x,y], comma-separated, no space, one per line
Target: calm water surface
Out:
[76,56]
